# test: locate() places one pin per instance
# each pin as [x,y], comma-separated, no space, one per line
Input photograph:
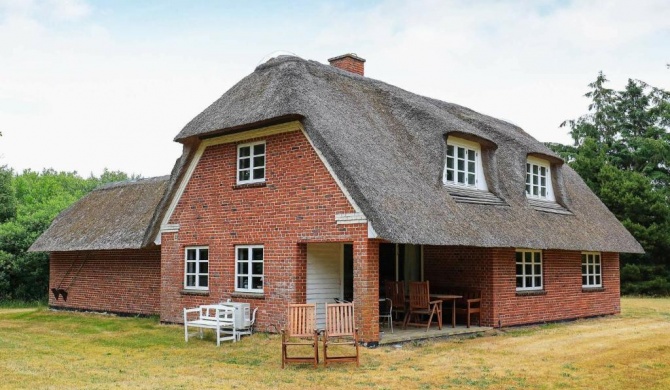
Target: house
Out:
[306,182]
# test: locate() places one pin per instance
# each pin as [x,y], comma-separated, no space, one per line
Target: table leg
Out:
[453,313]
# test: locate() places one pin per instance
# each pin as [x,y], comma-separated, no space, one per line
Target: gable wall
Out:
[117,281]
[493,271]
[296,205]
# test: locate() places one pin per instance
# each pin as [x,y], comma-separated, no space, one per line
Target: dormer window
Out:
[463,165]
[538,179]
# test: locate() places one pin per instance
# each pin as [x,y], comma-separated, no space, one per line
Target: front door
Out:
[324,277]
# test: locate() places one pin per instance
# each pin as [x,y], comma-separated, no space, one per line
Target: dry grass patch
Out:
[44,349]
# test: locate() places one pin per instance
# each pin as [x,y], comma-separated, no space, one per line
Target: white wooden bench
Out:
[217,317]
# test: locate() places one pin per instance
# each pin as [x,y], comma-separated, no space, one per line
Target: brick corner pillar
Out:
[366,289]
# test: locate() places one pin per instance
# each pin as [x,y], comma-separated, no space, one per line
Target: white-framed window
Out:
[463,164]
[591,270]
[528,270]
[249,268]
[196,269]
[538,179]
[251,163]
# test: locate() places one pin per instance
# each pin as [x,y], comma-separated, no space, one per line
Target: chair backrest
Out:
[419,295]
[395,291]
[340,319]
[301,320]
[387,308]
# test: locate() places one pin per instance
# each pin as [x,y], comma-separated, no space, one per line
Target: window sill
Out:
[248,295]
[204,293]
[592,289]
[530,293]
[249,185]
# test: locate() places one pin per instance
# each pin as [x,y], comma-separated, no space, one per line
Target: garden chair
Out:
[386,312]
[340,332]
[395,291]
[300,331]
[420,305]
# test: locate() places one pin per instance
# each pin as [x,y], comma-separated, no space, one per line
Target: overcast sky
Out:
[86,85]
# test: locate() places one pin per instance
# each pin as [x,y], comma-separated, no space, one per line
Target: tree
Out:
[39,197]
[622,151]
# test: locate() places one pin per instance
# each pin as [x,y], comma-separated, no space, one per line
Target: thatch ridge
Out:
[387,146]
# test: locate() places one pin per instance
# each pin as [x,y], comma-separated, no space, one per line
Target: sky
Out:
[89,85]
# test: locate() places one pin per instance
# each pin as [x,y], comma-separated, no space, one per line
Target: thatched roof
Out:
[113,216]
[387,146]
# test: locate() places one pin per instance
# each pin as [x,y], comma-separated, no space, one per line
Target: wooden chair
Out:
[420,304]
[395,291]
[469,305]
[300,331]
[340,331]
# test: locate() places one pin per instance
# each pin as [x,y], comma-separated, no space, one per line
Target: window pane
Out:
[461,177]
[450,162]
[259,161]
[259,173]
[538,281]
[528,269]
[538,257]
[244,175]
[257,283]
[243,268]
[242,282]
[538,270]
[528,256]
[245,163]
[461,165]
[203,267]
[471,155]
[583,280]
[245,151]
[543,181]
[529,281]
[450,175]
[543,192]
[590,279]
[519,269]
[450,150]
[257,268]
[190,267]
[519,257]
[598,279]
[528,189]
[242,254]
[535,180]
[527,169]
[535,170]
[471,179]
[583,268]
[203,280]
[543,171]
[190,280]
[535,191]
[190,254]
[519,282]
[204,254]
[259,149]
[257,254]
[461,153]
[583,258]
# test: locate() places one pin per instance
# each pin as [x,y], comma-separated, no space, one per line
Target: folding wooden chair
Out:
[395,291]
[340,331]
[420,304]
[300,331]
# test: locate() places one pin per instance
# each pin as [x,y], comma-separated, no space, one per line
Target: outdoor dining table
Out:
[448,297]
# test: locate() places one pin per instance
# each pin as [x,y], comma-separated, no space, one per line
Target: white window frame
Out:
[534,273]
[459,143]
[251,167]
[197,274]
[592,267]
[532,162]
[249,274]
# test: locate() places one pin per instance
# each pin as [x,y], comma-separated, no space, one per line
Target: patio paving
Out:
[414,333]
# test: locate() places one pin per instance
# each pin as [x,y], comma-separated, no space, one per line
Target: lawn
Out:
[43,349]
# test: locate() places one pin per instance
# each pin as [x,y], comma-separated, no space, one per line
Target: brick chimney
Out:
[349,62]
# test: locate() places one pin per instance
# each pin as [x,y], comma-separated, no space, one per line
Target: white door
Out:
[324,277]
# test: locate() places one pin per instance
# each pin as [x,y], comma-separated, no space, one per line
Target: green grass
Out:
[42,349]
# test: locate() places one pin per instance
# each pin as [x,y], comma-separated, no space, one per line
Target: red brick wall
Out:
[296,205]
[119,281]
[493,271]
